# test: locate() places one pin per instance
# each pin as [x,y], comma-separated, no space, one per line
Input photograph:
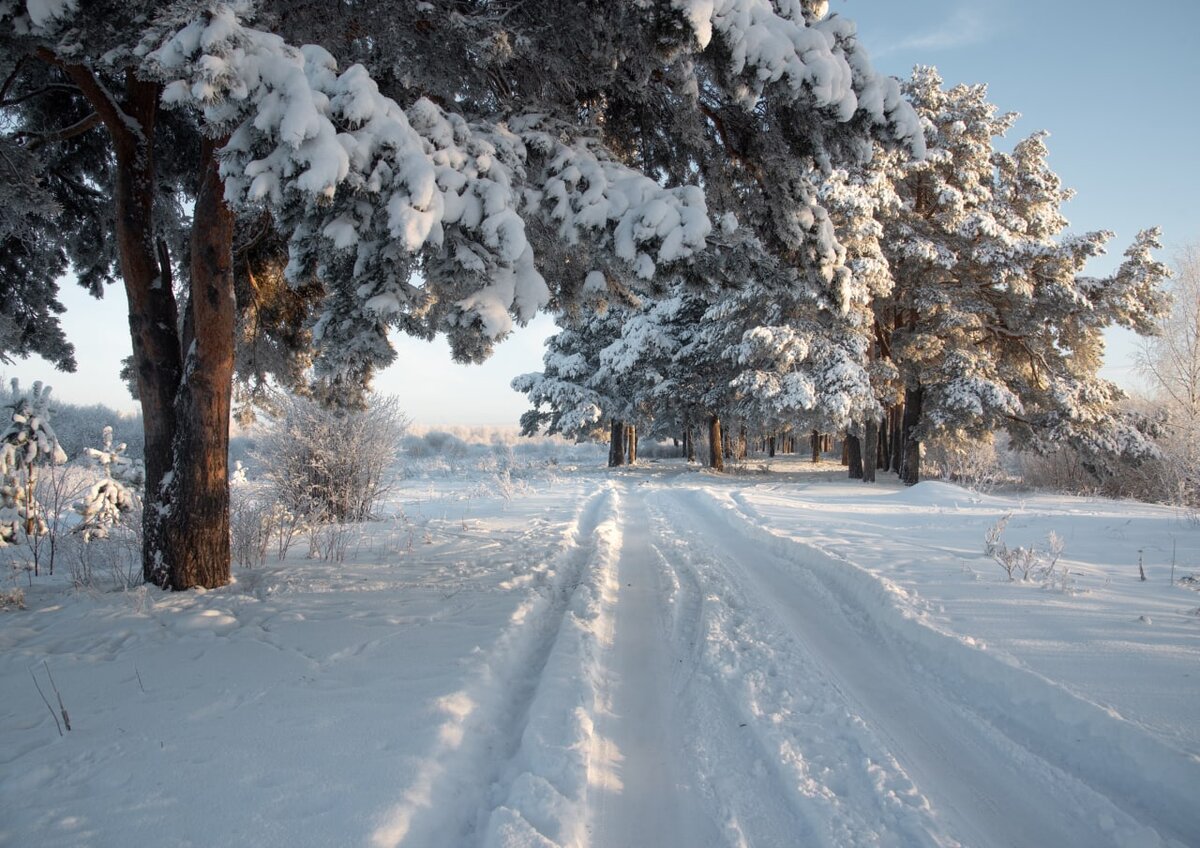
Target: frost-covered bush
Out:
[971,462]
[112,561]
[327,464]
[1062,470]
[1029,562]
[250,525]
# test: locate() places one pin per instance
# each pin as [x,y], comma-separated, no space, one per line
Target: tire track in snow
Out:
[784,759]
[461,783]
[640,790]
[992,746]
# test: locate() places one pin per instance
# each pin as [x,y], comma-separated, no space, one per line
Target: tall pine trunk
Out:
[911,474]
[616,444]
[690,442]
[897,442]
[715,460]
[881,450]
[815,444]
[186,516]
[869,456]
[854,456]
[196,523]
[631,444]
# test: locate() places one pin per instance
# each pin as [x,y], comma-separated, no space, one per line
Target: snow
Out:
[531,650]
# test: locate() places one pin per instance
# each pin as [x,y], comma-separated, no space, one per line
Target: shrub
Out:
[329,464]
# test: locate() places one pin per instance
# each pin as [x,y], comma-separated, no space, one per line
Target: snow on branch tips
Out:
[816,55]
[584,189]
[349,171]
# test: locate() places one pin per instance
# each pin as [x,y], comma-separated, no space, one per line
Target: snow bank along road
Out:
[652,658]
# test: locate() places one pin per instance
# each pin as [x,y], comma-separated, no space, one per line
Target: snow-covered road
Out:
[746,698]
[652,658]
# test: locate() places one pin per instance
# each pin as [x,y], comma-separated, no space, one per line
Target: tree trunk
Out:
[912,446]
[871,445]
[690,441]
[631,444]
[196,523]
[854,457]
[146,270]
[815,444]
[846,450]
[742,448]
[616,444]
[153,315]
[715,461]
[881,449]
[771,445]
[896,438]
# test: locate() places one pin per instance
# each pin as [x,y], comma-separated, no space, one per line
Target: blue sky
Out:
[1115,83]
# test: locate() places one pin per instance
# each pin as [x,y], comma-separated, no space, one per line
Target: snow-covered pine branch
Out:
[369,188]
[816,56]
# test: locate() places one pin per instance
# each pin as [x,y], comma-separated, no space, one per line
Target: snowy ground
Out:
[659,657]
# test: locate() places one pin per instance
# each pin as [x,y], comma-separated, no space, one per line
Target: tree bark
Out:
[196,522]
[815,443]
[715,460]
[871,450]
[631,444]
[616,444]
[854,457]
[771,445]
[897,443]
[690,442]
[146,270]
[911,474]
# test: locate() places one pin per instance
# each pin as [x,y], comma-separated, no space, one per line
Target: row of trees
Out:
[279,185]
[944,299]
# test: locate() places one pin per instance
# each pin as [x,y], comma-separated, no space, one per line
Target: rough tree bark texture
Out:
[854,457]
[814,442]
[196,524]
[911,474]
[616,444]
[771,445]
[870,451]
[715,460]
[631,443]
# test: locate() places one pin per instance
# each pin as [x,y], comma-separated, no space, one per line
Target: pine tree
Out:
[27,442]
[991,323]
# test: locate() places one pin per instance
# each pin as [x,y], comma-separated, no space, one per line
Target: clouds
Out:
[951,26]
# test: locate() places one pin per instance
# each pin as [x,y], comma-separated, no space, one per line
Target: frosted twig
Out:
[66,719]
[46,701]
